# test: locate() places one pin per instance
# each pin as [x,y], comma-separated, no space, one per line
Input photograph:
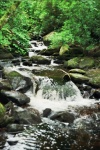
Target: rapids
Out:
[82,134]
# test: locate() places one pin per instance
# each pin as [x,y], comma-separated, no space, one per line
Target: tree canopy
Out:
[74,21]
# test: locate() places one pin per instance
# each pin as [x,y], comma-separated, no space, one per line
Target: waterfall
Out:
[59,97]
[36,47]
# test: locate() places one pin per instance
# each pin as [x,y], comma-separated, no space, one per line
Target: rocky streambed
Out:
[47,104]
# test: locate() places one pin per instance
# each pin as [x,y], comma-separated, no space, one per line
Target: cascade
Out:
[80,134]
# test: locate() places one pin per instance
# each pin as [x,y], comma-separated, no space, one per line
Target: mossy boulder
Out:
[79,78]
[80,62]
[4,84]
[80,71]
[72,63]
[56,74]
[40,60]
[2,113]
[94,77]
[18,81]
[86,62]
[63,50]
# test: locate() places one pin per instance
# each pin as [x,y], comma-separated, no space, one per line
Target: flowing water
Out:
[82,134]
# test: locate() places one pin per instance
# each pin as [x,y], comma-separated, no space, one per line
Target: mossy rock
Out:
[2,112]
[72,63]
[79,78]
[47,38]
[64,49]
[94,77]
[40,60]
[56,74]
[80,71]
[18,81]
[80,62]
[86,62]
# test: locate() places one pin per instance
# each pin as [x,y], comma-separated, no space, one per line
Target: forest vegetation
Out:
[73,21]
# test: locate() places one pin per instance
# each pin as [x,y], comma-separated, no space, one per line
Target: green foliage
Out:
[75,21]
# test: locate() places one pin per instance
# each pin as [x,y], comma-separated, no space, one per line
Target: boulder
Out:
[46,112]
[72,63]
[5,54]
[96,94]
[56,74]
[18,81]
[47,38]
[63,50]
[79,78]
[15,128]
[26,116]
[4,84]
[80,71]
[80,62]
[86,62]
[40,60]
[63,116]
[2,113]
[14,96]
[94,77]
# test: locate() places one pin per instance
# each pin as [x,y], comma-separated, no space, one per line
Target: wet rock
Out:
[27,63]
[96,94]
[5,63]
[79,78]
[40,60]
[46,112]
[56,74]
[14,96]
[18,81]
[63,117]
[4,118]
[12,141]
[15,127]
[2,141]
[4,84]
[26,116]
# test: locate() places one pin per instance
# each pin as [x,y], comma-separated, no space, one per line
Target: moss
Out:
[94,77]
[86,62]
[14,74]
[73,63]
[2,112]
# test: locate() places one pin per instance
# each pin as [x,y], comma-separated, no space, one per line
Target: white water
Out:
[56,104]
[36,47]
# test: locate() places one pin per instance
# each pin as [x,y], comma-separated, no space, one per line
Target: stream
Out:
[82,133]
